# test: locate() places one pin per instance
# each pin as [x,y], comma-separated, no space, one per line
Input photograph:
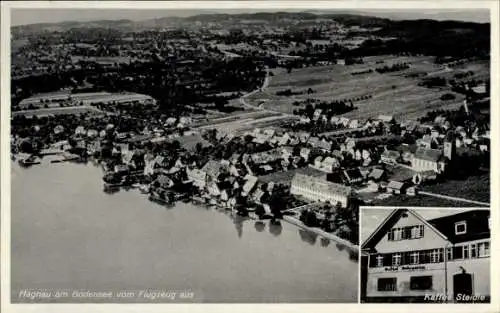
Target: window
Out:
[466,252]
[484,249]
[380,261]
[449,255]
[414,232]
[396,259]
[414,257]
[387,284]
[473,250]
[397,234]
[435,256]
[417,231]
[409,232]
[420,282]
[460,228]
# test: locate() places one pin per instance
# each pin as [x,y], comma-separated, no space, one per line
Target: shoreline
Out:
[294,221]
[289,219]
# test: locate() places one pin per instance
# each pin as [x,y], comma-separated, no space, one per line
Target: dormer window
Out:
[460,228]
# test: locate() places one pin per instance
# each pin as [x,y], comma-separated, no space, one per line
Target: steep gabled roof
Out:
[428,154]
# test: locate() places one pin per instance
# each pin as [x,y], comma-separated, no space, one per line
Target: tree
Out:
[395,129]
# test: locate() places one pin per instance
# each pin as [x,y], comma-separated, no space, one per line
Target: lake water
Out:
[67,234]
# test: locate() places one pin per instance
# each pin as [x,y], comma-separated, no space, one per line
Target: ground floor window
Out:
[421,282]
[387,284]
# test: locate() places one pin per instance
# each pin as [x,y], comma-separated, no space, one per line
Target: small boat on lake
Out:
[31,160]
[112,185]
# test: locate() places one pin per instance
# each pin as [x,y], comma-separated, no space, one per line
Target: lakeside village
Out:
[273,173]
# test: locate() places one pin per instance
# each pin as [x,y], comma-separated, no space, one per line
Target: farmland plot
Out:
[390,93]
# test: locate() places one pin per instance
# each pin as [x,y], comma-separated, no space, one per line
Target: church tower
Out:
[449,148]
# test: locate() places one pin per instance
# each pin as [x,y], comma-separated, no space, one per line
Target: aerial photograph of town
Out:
[223,156]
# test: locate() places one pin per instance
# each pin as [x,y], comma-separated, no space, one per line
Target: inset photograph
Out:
[425,255]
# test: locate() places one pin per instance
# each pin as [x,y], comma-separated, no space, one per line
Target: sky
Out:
[39,15]
[371,218]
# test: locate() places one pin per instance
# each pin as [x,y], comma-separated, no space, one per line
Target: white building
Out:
[428,160]
[318,189]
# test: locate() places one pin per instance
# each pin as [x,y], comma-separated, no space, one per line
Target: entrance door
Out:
[462,284]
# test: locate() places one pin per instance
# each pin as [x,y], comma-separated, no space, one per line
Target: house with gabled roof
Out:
[413,259]
[213,169]
[352,176]
[198,177]
[428,160]
[390,156]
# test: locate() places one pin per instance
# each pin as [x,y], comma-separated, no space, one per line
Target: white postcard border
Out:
[6,306]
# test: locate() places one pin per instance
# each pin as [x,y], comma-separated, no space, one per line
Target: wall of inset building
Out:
[478,268]
[403,279]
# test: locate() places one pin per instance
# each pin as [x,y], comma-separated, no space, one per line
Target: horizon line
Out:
[461,15]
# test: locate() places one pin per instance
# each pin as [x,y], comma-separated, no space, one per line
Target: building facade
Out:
[428,160]
[410,259]
[319,189]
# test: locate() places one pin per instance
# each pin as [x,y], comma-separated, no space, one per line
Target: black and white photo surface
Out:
[426,255]
[222,156]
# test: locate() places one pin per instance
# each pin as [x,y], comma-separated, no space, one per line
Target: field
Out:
[104,60]
[56,111]
[237,124]
[473,188]
[392,93]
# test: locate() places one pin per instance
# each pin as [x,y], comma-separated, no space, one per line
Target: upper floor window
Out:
[414,257]
[396,259]
[380,260]
[466,252]
[473,250]
[460,228]
[484,249]
[435,256]
[408,232]
[417,231]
